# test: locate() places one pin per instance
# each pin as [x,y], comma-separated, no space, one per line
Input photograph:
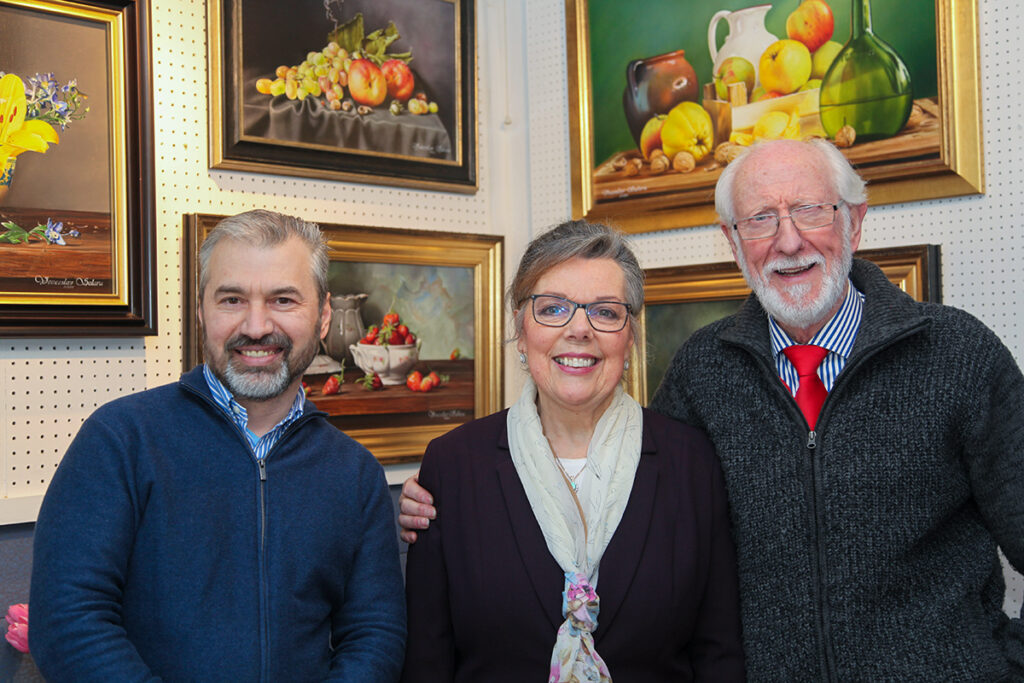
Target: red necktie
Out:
[810,394]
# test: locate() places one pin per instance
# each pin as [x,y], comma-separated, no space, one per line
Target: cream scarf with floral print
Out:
[577,528]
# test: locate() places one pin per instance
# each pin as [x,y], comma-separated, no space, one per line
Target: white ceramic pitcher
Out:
[748,38]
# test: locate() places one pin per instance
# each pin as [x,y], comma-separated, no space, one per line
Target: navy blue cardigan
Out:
[161,551]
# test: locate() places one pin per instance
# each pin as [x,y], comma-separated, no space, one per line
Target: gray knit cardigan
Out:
[868,550]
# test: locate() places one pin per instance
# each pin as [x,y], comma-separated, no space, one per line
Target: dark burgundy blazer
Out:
[485,595]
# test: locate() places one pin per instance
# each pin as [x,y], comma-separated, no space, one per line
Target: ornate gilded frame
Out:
[914,269]
[482,254]
[957,170]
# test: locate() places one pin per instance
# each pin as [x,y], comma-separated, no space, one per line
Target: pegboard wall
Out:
[47,387]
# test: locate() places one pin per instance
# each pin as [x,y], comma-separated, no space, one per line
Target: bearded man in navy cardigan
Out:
[219,528]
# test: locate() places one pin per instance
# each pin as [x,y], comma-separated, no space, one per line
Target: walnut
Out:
[683,162]
[656,152]
[723,151]
[619,163]
[659,163]
[633,166]
[845,136]
[733,153]
[916,117]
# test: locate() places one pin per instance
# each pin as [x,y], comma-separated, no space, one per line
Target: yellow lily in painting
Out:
[16,134]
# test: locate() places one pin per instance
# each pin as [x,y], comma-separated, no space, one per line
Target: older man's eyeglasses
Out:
[804,217]
[556,311]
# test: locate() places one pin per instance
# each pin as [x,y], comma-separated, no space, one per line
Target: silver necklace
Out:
[572,478]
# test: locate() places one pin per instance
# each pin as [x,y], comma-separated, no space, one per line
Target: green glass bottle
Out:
[867,86]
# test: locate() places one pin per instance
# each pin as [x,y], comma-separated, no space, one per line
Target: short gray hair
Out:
[847,182]
[263,229]
[569,240]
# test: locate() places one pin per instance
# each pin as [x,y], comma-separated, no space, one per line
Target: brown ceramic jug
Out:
[654,85]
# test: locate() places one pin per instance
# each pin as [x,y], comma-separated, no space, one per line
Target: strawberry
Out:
[305,389]
[437,380]
[371,335]
[428,383]
[390,318]
[371,381]
[456,354]
[409,339]
[396,338]
[413,380]
[332,385]
[403,330]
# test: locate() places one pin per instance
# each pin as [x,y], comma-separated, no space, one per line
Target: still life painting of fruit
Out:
[674,104]
[367,77]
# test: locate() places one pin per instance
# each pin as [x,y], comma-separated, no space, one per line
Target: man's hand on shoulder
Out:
[417,509]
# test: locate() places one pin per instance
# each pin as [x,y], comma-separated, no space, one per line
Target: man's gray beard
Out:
[262,384]
[801,316]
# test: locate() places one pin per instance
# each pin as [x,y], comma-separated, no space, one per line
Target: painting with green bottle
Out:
[661,111]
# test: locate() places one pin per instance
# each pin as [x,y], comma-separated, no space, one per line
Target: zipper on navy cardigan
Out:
[812,440]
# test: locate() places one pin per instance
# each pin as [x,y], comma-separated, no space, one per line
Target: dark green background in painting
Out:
[623,31]
[669,325]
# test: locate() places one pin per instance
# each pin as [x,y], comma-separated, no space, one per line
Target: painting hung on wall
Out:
[658,113]
[76,218]
[367,90]
[414,345]
[679,300]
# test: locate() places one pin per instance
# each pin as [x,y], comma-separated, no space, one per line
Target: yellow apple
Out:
[734,70]
[810,85]
[823,57]
[785,66]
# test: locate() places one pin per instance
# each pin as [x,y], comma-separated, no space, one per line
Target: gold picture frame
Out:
[396,424]
[954,164]
[711,291]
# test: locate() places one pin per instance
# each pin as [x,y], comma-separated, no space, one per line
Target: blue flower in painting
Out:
[53,230]
[73,233]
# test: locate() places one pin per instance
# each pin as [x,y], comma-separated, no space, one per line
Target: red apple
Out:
[811,23]
[650,136]
[399,78]
[762,94]
[366,83]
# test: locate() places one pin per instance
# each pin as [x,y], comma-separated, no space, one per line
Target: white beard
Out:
[787,306]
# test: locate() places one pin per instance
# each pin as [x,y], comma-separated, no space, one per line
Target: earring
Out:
[522,358]
[625,365]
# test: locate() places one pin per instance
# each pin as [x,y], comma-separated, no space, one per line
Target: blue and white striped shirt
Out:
[260,445]
[837,336]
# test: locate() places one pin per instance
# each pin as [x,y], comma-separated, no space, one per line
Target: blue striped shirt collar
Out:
[837,335]
[260,445]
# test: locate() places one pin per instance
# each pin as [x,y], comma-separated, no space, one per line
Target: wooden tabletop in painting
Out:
[85,256]
[456,394]
[920,137]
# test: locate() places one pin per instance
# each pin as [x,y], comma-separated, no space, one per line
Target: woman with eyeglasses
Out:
[579,537]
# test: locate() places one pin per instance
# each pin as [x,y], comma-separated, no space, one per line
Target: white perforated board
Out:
[524,187]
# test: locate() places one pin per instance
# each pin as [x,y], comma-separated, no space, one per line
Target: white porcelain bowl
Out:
[391,362]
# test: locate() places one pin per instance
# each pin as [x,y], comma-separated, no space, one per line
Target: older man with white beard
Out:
[219,528]
[873,446]
[870,490]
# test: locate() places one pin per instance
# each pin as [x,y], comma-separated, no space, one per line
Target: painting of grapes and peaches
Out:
[377,87]
[674,103]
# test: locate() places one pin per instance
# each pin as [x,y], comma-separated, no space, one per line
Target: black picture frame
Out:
[130,307]
[240,141]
